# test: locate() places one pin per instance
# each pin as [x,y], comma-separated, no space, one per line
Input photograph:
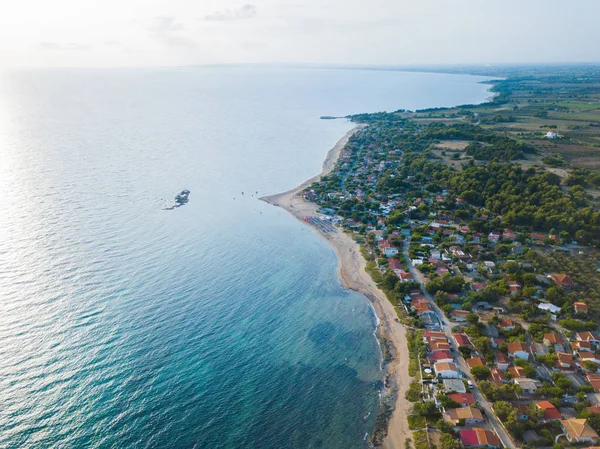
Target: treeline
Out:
[526,200]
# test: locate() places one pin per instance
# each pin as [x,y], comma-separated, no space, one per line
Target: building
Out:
[462,340]
[529,386]
[589,357]
[564,361]
[506,325]
[441,356]
[469,415]
[446,370]
[552,339]
[580,307]
[497,377]
[501,361]
[518,350]
[464,399]
[459,316]
[550,412]
[580,346]
[517,372]
[586,336]
[478,437]
[562,280]
[578,431]
[594,380]
[474,361]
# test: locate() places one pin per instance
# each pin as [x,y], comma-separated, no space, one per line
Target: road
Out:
[460,361]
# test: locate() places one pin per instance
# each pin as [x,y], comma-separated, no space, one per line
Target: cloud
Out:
[167,30]
[71,46]
[243,12]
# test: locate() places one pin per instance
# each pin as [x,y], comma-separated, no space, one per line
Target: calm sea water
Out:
[220,324]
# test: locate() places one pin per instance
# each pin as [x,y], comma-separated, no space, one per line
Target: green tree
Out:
[480,372]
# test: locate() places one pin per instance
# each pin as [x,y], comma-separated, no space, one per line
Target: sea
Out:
[218,324]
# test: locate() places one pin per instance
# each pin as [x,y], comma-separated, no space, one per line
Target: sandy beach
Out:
[351,270]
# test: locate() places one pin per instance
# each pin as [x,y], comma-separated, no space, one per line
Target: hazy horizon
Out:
[158,33]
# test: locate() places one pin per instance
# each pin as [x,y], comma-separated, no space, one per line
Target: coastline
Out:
[352,274]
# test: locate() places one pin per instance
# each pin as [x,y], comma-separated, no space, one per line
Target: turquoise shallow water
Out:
[218,324]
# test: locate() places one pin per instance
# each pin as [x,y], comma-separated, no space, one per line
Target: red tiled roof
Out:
[462,398]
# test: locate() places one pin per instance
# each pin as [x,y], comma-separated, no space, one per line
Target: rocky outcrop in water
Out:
[181,199]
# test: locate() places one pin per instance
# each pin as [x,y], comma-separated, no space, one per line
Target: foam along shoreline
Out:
[352,274]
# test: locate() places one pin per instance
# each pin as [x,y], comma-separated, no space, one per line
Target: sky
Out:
[125,33]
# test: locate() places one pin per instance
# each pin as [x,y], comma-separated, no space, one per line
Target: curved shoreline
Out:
[352,274]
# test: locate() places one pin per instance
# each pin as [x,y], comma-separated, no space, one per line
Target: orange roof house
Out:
[580,307]
[562,280]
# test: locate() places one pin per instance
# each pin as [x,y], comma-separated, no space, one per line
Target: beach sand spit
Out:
[351,271]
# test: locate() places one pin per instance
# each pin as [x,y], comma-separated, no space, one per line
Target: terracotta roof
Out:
[474,361]
[515,347]
[517,372]
[445,366]
[462,398]
[456,414]
[552,338]
[479,437]
[562,279]
[462,339]
[585,336]
[580,307]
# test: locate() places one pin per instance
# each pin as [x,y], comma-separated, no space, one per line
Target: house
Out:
[488,264]
[454,385]
[508,235]
[501,361]
[522,412]
[518,350]
[378,235]
[468,415]
[538,349]
[594,409]
[406,277]
[493,237]
[562,280]
[439,345]
[586,336]
[477,287]
[506,325]
[474,361]
[550,412]
[578,431]
[552,339]
[395,266]
[564,361]
[517,372]
[496,376]
[460,316]
[594,380]
[589,357]
[580,307]
[464,399]
[462,340]
[446,370]
[434,336]
[580,346]
[548,307]
[441,356]
[478,437]
[424,308]
[529,386]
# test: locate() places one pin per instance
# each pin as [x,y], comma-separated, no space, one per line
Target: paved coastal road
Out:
[460,361]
